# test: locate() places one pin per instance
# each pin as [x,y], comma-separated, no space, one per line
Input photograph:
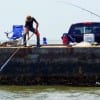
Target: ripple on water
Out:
[50,94]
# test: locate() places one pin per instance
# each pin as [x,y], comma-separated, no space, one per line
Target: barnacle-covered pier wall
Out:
[50,65]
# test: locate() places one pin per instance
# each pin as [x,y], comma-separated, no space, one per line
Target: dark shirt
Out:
[29,24]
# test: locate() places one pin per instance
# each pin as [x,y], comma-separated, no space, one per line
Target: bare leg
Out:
[38,38]
[24,37]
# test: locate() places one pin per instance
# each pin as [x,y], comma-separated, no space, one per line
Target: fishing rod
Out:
[68,3]
[7,61]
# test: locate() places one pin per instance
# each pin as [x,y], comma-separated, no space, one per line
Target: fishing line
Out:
[7,61]
[74,5]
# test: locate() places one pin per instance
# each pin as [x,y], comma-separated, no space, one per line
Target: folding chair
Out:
[15,35]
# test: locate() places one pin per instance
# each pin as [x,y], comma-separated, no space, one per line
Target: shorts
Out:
[32,30]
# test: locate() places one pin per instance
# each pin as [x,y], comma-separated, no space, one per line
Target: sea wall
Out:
[50,65]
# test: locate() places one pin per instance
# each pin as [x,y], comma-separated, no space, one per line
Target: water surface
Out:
[49,93]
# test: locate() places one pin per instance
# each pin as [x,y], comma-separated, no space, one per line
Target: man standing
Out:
[29,27]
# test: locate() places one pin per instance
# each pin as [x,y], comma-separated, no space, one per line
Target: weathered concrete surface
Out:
[51,65]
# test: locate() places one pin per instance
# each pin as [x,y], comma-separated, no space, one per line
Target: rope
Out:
[7,61]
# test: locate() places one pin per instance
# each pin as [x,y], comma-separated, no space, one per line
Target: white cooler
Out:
[89,38]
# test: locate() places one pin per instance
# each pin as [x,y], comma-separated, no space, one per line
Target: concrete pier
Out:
[51,65]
